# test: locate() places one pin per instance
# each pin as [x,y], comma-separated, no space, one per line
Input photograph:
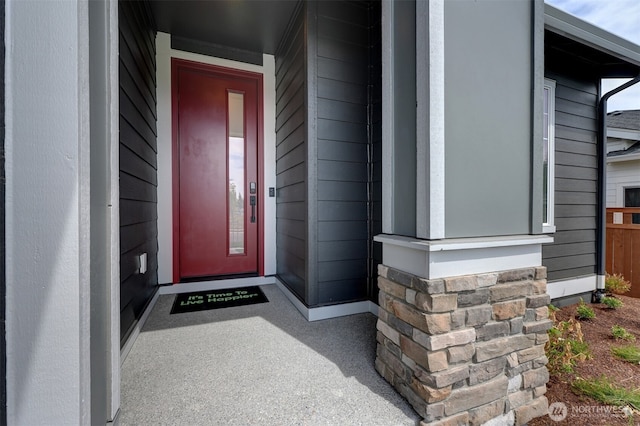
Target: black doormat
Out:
[215,299]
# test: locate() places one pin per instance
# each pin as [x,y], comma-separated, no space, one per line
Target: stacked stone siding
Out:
[466,350]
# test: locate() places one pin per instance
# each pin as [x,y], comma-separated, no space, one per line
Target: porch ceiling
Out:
[251,25]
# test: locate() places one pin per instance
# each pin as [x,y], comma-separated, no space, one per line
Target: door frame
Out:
[176,64]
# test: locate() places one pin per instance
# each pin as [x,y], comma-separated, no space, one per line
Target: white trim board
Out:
[165,145]
[327,312]
[430,138]
[565,288]
[461,256]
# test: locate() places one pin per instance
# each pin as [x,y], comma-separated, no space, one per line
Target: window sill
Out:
[548,229]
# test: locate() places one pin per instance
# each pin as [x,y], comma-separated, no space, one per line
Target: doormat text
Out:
[215,299]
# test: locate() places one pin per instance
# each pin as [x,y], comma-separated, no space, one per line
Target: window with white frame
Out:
[548,156]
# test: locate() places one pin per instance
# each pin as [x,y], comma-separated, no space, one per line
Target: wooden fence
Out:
[623,245]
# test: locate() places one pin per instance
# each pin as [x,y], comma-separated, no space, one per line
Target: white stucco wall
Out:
[621,175]
[164,54]
[47,212]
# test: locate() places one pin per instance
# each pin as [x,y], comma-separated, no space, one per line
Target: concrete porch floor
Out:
[260,364]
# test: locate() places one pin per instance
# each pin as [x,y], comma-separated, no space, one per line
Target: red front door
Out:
[216,182]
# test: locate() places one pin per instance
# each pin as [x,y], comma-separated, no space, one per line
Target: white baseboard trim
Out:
[216,285]
[564,288]
[327,312]
[137,328]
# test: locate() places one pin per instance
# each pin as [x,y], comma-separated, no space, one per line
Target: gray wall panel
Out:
[560,250]
[342,171]
[342,91]
[333,69]
[294,175]
[342,191]
[564,274]
[138,163]
[291,141]
[375,147]
[292,228]
[341,250]
[342,291]
[324,143]
[343,270]
[488,81]
[340,231]
[339,111]
[343,210]
[293,193]
[291,155]
[342,130]
[341,151]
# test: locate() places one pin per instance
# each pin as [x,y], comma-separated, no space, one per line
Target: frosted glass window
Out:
[236,173]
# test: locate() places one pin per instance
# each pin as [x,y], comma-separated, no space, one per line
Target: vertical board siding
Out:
[291,154]
[343,68]
[573,252]
[138,161]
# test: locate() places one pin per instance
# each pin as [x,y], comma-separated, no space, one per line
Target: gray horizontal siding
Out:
[342,138]
[291,159]
[375,153]
[573,252]
[328,206]
[138,160]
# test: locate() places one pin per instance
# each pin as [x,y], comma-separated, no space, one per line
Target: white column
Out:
[430,202]
[47,212]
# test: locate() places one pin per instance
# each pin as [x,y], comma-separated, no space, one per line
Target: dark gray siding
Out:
[375,144]
[573,252]
[138,160]
[291,154]
[329,182]
[342,149]
[3,279]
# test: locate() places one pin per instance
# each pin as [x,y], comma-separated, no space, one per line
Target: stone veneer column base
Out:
[466,350]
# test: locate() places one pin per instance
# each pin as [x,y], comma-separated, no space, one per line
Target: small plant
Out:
[584,312]
[616,284]
[606,392]
[621,333]
[629,353]
[566,346]
[612,302]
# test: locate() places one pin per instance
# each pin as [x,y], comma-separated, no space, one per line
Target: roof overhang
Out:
[633,135]
[589,35]
[621,158]
[247,26]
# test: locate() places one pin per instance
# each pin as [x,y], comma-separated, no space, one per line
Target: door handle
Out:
[252,201]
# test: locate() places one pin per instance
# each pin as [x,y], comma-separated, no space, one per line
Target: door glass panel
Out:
[236,173]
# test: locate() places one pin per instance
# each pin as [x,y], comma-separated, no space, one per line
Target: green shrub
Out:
[616,284]
[584,312]
[606,392]
[621,333]
[629,353]
[612,302]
